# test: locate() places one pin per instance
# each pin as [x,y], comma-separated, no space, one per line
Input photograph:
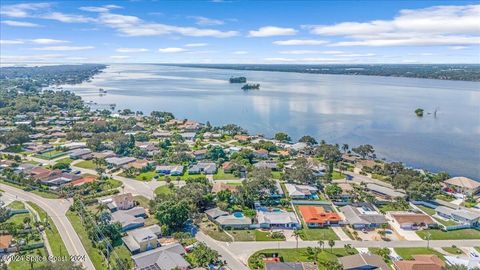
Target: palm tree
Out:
[331,243]
[296,233]
[321,243]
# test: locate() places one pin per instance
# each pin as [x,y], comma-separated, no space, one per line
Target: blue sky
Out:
[240,31]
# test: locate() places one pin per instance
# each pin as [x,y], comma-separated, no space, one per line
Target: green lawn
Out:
[445,197]
[47,195]
[112,183]
[242,235]
[16,205]
[316,234]
[277,175]
[337,175]
[391,207]
[146,176]
[451,235]
[299,255]
[18,218]
[406,253]
[66,160]
[453,250]
[51,154]
[427,210]
[93,253]
[378,251]
[213,231]
[265,236]
[54,238]
[221,175]
[163,190]
[477,248]
[24,264]
[86,164]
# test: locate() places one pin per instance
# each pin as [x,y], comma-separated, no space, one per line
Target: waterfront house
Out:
[463,185]
[301,191]
[166,257]
[277,219]
[143,239]
[383,193]
[411,221]
[363,261]
[463,216]
[318,216]
[363,216]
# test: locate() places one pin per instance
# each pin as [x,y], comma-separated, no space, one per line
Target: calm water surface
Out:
[336,108]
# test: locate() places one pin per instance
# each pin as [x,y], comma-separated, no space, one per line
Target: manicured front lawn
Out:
[214,231]
[266,236]
[242,235]
[66,160]
[86,164]
[221,175]
[406,253]
[453,250]
[451,235]
[318,234]
[146,176]
[54,238]
[427,210]
[163,190]
[93,253]
[277,175]
[298,255]
[445,197]
[51,154]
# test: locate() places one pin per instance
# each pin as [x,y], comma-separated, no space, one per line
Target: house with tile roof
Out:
[318,216]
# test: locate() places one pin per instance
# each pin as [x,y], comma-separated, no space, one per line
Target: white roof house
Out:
[300,191]
[277,219]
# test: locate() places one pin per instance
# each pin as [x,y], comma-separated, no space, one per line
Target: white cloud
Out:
[30,58]
[458,47]
[240,52]
[294,42]
[433,26]
[171,50]
[20,23]
[67,18]
[10,42]
[300,52]
[270,31]
[48,41]
[206,21]
[64,48]
[131,50]
[22,10]
[196,45]
[104,8]
[134,26]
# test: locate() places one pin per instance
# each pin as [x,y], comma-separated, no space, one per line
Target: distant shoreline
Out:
[444,72]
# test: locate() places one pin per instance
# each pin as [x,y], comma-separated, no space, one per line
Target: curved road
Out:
[56,209]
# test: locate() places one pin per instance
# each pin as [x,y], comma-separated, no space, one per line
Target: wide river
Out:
[337,108]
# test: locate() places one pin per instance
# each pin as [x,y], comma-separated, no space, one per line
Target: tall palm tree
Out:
[321,243]
[296,233]
[331,243]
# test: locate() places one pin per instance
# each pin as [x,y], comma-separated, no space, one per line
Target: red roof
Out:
[84,180]
[317,214]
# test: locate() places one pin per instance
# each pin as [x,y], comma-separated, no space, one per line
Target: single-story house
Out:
[234,221]
[385,193]
[317,216]
[188,135]
[83,153]
[143,239]
[463,216]
[277,220]
[301,191]
[412,221]
[74,145]
[205,167]
[83,180]
[363,216]
[261,153]
[119,161]
[56,178]
[469,262]
[5,242]
[214,213]
[363,261]
[200,154]
[266,164]
[174,170]
[104,154]
[463,185]
[166,257]
[138,164]
[419,262]
[130,219]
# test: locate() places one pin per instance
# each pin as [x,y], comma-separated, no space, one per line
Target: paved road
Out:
[223,249]
[56,209]
[243,250]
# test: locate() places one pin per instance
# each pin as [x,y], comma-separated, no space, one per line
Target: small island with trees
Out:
[251,86]
[419,112]
[238,80]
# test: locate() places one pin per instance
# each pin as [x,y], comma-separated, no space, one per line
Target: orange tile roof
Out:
[420,262]
[317,214]
[5,241]
[84,180]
